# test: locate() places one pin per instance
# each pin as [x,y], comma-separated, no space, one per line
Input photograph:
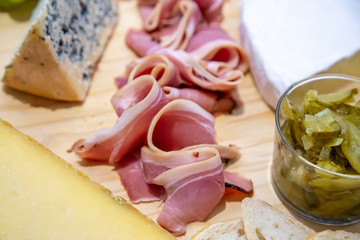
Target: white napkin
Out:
[290,40]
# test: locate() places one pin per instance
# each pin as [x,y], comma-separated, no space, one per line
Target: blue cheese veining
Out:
[64,40]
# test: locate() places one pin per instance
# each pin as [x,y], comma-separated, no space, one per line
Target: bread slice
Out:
[63,42]
[262,221]
[334,235]
[231,230]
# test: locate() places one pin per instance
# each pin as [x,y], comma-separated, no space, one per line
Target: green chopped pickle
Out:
[323,123]
[325,130]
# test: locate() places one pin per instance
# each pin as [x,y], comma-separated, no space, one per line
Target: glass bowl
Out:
[315,193]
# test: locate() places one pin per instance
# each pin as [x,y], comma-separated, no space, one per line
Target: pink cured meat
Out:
[137,104]
[211,9]
[206,33]
[131,176]
[239,181]
[195,72]
[174,76]
[157,161]
[154,12]
[159,66]
[184,70]
[213,102]
[184,166]
[221,53]
[141,42]
[193,190]
[180,118]
[170,23]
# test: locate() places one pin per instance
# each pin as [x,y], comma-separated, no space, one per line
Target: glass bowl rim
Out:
[278,127]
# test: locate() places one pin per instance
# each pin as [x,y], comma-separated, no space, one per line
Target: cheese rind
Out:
[64,41]
[43,197]
[288,41]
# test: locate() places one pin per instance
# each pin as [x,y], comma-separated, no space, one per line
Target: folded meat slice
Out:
[183,70]
[159,66]
[220,52]
[237,187]
[154,12]
[170,23]
[212,101]
[178,35]
[179,124]
[141,42]
[194,184]
[182,156]
[196,72]
[136,104]
[132,178]
[211,9]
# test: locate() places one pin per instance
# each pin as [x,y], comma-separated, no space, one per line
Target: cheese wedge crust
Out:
[44,197]
[61,47]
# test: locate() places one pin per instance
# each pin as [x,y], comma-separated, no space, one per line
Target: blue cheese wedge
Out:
[288,41]
[64,41]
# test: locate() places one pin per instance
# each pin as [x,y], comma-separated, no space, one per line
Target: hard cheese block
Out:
[63,43]
[43,197]
[288,41]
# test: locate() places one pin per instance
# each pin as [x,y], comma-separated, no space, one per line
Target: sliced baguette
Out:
[231,230]
[334,235]
[262,221]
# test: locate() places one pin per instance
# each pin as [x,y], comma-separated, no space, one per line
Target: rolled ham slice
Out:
[170,23]
[211,9]
[195,72]
[178,35]
[141,42]
[179,124]
[237,187]
[193,189]
[136,104]
[183,70]
[221,53]
[213,102]
[159,66]
[182,156]
[153,13]
[131,175]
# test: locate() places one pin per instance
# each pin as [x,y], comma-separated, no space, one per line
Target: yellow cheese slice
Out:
[43,197]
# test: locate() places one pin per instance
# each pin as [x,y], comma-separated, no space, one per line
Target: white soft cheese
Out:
[288,41]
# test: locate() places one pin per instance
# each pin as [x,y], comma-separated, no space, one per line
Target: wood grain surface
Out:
[57,125]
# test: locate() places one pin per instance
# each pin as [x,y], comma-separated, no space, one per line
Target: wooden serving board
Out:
[57,125]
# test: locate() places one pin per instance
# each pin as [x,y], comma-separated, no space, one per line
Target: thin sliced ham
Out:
[136,104]
[237,187]
[211,9]
[184,70]
[159,66]
[184,166]
[153,13]
[195,72]
[180,118]
[141,42]
[132,179]
[163,143]
[170,23]
[214,46]
[211,101]
[193,190]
